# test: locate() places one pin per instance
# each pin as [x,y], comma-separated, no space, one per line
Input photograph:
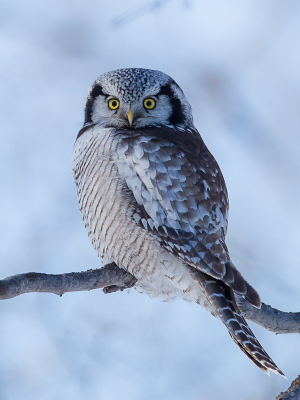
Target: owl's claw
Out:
[128,282]
[113,288]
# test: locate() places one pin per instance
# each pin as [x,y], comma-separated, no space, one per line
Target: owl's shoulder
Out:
[170,144]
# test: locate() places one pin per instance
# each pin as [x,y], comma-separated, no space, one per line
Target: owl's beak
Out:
[130,116]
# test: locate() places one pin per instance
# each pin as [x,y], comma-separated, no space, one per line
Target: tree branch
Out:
[111,277]
[292,393]
[270,318]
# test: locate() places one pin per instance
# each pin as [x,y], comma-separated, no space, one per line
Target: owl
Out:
[154,201]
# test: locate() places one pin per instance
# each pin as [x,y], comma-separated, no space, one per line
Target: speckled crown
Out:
[131,83]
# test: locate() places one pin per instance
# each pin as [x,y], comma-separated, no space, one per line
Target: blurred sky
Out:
[238,63]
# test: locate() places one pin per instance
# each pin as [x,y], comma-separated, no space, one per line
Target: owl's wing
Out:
[181,198]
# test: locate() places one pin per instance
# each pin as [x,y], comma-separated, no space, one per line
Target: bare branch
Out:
[111,277]
[270,318]
[292,393]
[136,12]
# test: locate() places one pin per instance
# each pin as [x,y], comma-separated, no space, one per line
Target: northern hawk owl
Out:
[154,201]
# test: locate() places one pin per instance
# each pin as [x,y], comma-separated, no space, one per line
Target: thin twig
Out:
[136,12]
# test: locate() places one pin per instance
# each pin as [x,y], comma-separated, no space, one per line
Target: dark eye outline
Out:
[111,107]
[153,103]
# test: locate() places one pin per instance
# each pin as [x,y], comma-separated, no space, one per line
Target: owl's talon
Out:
[130,282]
[113,288]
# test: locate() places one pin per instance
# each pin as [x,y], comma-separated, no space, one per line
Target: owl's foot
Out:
[113,288]
[128,280]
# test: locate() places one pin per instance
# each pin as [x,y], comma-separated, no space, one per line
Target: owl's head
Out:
[136,98]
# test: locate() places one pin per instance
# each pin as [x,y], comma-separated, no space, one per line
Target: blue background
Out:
[238,63]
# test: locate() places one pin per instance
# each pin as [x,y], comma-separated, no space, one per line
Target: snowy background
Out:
[238,63]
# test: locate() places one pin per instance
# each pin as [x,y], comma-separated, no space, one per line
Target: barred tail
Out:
[221,298]
[234,279]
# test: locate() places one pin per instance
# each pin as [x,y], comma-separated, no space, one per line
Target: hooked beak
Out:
[130,116]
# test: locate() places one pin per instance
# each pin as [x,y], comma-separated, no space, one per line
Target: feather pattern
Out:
[181,198]
[121,230]
[154,201]
[222,300]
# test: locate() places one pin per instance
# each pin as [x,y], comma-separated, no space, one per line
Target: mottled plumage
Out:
[154,201]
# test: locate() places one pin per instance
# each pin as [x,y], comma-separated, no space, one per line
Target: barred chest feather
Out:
[109,219]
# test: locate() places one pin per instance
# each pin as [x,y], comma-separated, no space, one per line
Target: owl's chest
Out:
[108,217]
[106,207]
[99,187]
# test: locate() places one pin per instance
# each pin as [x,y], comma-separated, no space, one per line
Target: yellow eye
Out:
[149,104]
[113,104]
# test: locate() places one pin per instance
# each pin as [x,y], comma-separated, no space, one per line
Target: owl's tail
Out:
[221,298]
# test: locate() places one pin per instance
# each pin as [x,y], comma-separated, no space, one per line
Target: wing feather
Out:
[181,198]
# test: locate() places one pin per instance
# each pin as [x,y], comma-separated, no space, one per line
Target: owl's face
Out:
[136,98]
